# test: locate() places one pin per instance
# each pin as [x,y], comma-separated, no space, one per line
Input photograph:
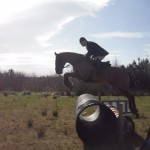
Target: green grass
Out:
[49,131]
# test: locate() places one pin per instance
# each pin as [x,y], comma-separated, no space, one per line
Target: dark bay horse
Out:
[84,70]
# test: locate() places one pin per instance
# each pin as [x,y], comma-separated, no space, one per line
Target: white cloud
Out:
[121,34]
[27,27]
[92,4]
[26,62]
[9,9]
[41,63]
[32,24]
[147,50]
[147,47]
[43,40]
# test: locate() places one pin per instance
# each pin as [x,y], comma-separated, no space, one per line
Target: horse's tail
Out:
[134,83]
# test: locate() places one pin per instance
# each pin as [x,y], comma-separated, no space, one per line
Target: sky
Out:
[32,30]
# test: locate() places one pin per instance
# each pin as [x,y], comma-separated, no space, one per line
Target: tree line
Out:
[140,71]
[16,81]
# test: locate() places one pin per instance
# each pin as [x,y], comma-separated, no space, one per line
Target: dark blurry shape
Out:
[146,144]
[102,127]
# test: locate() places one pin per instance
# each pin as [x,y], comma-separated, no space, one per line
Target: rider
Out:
[95,52]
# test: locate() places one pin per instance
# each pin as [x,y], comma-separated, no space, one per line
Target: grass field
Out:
[46,122]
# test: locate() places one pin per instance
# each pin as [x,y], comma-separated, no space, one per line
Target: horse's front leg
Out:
[67,81]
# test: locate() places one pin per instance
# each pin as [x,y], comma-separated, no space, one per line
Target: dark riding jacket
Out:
[95,50]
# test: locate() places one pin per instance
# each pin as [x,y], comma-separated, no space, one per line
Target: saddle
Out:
[100,66]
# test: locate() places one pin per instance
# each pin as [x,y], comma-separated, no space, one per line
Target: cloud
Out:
[33,26]
[147,50]
[121,34]
[147,47]
[43,39]
[26,62]
[9,9]
[27,27]
[30,62]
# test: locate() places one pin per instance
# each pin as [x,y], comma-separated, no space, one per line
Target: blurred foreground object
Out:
[101,126]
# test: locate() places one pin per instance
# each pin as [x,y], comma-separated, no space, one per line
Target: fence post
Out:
[99,96]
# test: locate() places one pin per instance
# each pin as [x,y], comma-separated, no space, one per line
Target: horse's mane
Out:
[72,53]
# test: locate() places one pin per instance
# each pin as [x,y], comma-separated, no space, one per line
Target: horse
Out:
[84,70]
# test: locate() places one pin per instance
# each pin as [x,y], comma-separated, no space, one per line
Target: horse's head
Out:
[59,63]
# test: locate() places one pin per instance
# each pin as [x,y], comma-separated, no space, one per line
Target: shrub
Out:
[55,113]
[40,132]
[30,123]
[44,112]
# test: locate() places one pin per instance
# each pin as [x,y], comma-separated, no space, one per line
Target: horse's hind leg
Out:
[131,99]
[132,104]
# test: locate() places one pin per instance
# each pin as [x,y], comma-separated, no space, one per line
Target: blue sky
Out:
[31,31]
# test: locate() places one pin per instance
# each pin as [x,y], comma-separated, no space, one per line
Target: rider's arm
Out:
[89,53]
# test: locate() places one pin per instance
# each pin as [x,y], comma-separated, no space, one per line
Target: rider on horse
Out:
[95,52]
